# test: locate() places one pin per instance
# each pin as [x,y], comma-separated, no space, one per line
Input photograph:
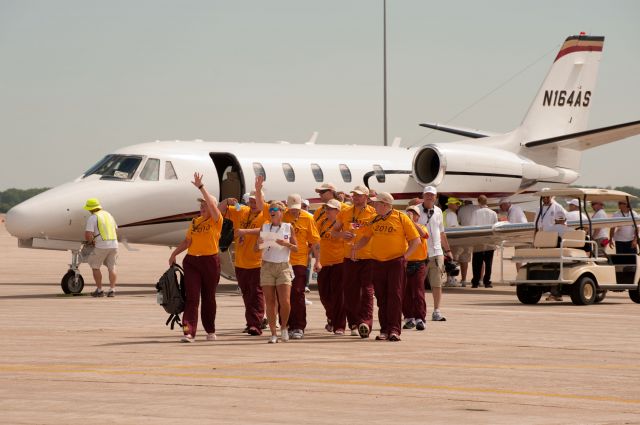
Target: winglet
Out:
[312,140]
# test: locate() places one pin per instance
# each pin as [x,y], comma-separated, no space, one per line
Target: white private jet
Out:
[147,187]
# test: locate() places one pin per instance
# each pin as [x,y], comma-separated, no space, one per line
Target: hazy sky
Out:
[79,79]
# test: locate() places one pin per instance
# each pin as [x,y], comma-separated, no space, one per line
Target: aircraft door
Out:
[230,176]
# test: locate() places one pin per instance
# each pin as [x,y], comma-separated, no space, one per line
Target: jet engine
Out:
[476,169]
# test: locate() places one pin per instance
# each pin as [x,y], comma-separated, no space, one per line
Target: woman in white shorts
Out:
[276,272]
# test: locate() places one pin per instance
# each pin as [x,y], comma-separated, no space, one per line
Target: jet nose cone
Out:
[18,222]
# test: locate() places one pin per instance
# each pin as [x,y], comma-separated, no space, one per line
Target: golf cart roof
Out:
[591,193]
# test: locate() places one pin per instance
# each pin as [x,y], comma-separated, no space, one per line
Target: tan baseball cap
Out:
[333,203]
[325,186]
[413,208]
[383,197]
[294,201]
[361,190]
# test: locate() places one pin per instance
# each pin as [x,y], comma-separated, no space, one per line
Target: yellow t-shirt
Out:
[320,213]
[354,220]
[246,256]
[389,235]
[331,249]
[306,235]
[204,235]
[421,252]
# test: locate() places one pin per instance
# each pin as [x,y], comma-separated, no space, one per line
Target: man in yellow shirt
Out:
[307,237]
[247,260]
[356,272]
[414,306]
[393,239]
[330,276]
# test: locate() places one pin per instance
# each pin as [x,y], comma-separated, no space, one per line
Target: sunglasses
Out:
[274,209]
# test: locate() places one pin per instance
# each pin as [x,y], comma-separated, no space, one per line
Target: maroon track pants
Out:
[252,296]
[358,292]
[331,295]
[201,277]
[388,282]
[414,305]
[298,315]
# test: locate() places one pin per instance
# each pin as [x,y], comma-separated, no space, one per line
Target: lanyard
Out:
[327,228]
[381,217]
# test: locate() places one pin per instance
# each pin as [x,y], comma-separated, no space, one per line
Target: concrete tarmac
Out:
[80,360]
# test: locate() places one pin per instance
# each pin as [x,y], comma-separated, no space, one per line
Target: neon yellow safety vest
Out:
[106,226]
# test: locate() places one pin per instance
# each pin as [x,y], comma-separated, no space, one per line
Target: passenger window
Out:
[317,172]
[258,169]
[346,173]
[151,170]
[379,172]
[289,174]
[169,171]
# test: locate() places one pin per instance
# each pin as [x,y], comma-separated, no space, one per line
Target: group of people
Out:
[363,249]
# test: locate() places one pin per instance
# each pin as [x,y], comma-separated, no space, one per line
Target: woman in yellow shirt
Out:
[201,265]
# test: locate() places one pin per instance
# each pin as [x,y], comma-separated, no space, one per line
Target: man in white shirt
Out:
[514,212]
[600,235]
[574,212]
[624,238]
[483,216]
[431,216]
[545,217]
[101,232]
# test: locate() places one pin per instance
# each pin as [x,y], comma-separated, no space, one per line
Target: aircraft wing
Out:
[460,131]
[514,234]
[591,138]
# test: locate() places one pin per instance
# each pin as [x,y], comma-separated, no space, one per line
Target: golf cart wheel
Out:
[634,294]
[71,284]
[528,294]
[600,296]
[584,291]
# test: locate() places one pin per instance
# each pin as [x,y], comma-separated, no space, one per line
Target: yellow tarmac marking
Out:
[293,380]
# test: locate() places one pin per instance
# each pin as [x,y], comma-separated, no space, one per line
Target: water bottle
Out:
[159,298]
[238,206]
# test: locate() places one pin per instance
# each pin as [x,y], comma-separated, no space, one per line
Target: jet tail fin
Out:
[564,99]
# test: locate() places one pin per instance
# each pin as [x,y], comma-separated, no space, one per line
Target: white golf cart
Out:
[569,265]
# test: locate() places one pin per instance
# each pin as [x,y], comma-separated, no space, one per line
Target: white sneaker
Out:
[307,289]
[354,332]
[211,337]
[273,339]
[463,283]
[297,334]
[187,338]
[436,316]
[284,335]
[307,302]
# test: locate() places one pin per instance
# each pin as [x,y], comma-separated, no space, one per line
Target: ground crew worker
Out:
[307,237]
[356,272]
[201,265]
[330,276]
[574,213]
[431,216]
[101,232]
[414,306]
[393,239]
[247,260]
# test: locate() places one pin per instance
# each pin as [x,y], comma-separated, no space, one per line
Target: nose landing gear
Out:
[72,282]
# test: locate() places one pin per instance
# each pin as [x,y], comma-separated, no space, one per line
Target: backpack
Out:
[226,235]
[171,294]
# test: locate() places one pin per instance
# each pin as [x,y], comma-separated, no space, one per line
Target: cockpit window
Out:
[151,170]
[119,167]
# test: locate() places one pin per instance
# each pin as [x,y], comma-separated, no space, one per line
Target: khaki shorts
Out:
[435,268]
[462,254]
[100,256]
[274,274]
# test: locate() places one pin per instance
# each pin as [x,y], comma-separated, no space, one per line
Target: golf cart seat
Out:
[545,246]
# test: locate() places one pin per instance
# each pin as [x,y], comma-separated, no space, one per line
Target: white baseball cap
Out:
[294,201]
[383,197]
[430,189]
[361,190]
[305,202]
[333,203]
[573,202]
